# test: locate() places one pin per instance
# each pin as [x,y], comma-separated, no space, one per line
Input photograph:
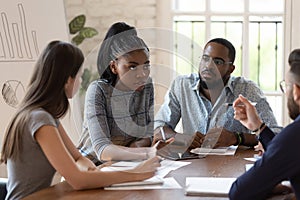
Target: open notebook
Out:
[208,186]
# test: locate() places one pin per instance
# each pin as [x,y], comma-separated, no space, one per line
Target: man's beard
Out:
[292,107]
[215,84]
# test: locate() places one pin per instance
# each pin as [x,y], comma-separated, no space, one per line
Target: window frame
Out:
[291,40]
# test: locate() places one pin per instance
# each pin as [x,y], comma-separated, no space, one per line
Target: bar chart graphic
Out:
[18,43]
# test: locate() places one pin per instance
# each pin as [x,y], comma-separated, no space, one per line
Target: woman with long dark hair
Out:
[35,143]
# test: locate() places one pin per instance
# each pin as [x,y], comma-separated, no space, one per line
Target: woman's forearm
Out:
[115,152]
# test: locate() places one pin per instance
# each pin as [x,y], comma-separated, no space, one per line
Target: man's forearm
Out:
[250,140]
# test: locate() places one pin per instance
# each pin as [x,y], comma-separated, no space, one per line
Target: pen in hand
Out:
[231,104]
[163,133]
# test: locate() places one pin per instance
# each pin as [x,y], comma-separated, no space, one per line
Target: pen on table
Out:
[163,133]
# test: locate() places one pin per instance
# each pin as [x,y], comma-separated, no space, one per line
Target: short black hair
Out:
[294,56]
[294,62]
[228,45]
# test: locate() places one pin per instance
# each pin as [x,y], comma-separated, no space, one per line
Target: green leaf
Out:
[77,40]
[77,24]
[86,76]
[88,32]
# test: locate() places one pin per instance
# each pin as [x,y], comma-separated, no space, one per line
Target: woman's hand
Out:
[84,164]
[147,168]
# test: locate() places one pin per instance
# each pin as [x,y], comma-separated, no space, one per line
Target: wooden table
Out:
[214,166]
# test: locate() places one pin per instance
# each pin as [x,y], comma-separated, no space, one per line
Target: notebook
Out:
[208,186]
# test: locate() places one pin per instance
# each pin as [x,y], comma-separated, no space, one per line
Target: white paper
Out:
[168,183]
[218,151]
[208,185]
[169,165]
[254,158]
[155,180]
[121,166]
[162,171]
[248,166]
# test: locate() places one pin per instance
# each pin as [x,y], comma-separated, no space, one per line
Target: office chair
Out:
[3,191]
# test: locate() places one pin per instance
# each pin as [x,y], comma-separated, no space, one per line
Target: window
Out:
[253,26]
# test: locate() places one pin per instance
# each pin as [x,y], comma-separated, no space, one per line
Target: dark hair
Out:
[58,61]
[119,27]
[294,62]
[294,56]
[228,45]
[119,40]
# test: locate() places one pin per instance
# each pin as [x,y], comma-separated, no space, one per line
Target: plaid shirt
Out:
[115,117]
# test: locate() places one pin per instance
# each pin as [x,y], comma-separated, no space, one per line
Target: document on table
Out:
[155,182]
[254,158]
[168,183]
[208,186]
[169,165]
[217,151]
[162,171]
[248,166]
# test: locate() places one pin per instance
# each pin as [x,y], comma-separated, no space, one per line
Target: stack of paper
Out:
[156,182]
[218,151]
[208,186]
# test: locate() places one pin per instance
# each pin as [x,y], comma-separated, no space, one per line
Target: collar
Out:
[228,85]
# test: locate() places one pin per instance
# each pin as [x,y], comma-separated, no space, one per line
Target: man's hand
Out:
[259,148]
[246,113]
[197,140]
[218,137]
[280,189]
[168,132]
[161,144]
